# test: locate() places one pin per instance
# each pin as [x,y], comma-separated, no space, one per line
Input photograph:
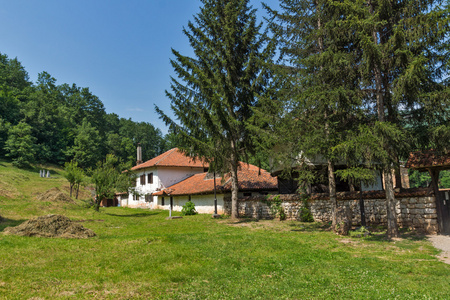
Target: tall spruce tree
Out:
[318,96]
[220,85]
[405,62]
[397,64]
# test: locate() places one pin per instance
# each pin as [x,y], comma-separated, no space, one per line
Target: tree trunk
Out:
[234,182]
[234,192]
[78,189]
[332,190]
[388,181]
[71,187]
[392,227]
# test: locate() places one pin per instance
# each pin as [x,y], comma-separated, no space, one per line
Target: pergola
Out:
[433,162]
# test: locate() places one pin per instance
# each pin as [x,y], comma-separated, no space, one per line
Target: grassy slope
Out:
[138,253]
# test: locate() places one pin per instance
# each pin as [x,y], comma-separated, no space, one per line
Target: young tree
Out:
[222,83]
[108,179]
[74,175]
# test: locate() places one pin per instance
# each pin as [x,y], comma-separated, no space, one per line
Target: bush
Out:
[305,212]
[188,209]
[276,208]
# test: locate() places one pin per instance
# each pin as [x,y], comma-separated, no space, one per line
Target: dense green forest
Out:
[44,122]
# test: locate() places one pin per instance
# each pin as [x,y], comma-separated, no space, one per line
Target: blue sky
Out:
[119,49]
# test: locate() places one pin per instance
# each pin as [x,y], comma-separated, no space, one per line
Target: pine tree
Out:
[220,85]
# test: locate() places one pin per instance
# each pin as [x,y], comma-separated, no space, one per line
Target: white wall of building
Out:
[162,178]
[204,204]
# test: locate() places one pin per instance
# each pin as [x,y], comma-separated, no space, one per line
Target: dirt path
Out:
[441,242]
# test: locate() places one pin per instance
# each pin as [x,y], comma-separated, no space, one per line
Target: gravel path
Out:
[441,242]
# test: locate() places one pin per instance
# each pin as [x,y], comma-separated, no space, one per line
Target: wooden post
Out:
[434,184]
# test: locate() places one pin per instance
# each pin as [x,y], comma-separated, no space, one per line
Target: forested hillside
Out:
[48,123]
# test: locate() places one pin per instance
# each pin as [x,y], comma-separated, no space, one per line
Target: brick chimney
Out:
[139,154]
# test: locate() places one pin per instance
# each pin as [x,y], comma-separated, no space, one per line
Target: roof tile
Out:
[172,158]
[427,159]
[250,177]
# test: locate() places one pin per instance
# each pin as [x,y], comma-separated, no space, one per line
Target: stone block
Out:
[429,210]
[430,205]
[430,216]
[412,200]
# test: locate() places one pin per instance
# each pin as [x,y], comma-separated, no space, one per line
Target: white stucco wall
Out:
[204,204]
[171,175]
[162,178]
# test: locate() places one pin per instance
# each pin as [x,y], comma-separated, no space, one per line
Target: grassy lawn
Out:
[139,254]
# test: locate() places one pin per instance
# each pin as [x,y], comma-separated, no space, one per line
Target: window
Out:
[135,197]
[150,178]
[148,197]
[205,170]
[247,194]
[142,179]
[189,198]
[162,201]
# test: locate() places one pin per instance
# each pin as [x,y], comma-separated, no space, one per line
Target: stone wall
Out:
[416,208]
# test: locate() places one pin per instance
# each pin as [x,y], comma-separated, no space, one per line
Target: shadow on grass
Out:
[309,227]
[4,222]
[380,235]
[139,215]
[245,220]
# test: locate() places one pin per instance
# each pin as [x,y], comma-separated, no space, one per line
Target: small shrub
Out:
[276,208]
[188,209]
[305,212]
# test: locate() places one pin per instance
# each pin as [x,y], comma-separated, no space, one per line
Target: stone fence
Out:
[416,208]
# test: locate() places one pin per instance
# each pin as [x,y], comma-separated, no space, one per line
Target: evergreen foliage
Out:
[360,81]
[218,87]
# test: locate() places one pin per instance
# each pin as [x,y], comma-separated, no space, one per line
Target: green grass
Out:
[139,254]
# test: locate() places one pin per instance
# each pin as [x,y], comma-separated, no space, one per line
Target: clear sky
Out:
[119,49]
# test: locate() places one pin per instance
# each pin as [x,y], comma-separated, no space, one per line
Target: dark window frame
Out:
[150,178]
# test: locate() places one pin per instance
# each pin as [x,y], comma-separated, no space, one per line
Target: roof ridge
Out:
[165,156]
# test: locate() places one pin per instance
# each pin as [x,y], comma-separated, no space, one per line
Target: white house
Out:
[199,189]
[172,178]
[159,173]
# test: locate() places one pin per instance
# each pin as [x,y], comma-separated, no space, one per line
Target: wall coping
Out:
[403,193]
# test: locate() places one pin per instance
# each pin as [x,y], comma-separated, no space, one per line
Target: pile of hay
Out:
[54,195]
[51,226]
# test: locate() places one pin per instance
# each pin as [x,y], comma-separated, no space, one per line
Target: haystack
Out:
[54,195]
[51,226]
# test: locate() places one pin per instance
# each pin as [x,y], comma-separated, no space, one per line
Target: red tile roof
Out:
[172,158]
[427,159]
[250,177]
